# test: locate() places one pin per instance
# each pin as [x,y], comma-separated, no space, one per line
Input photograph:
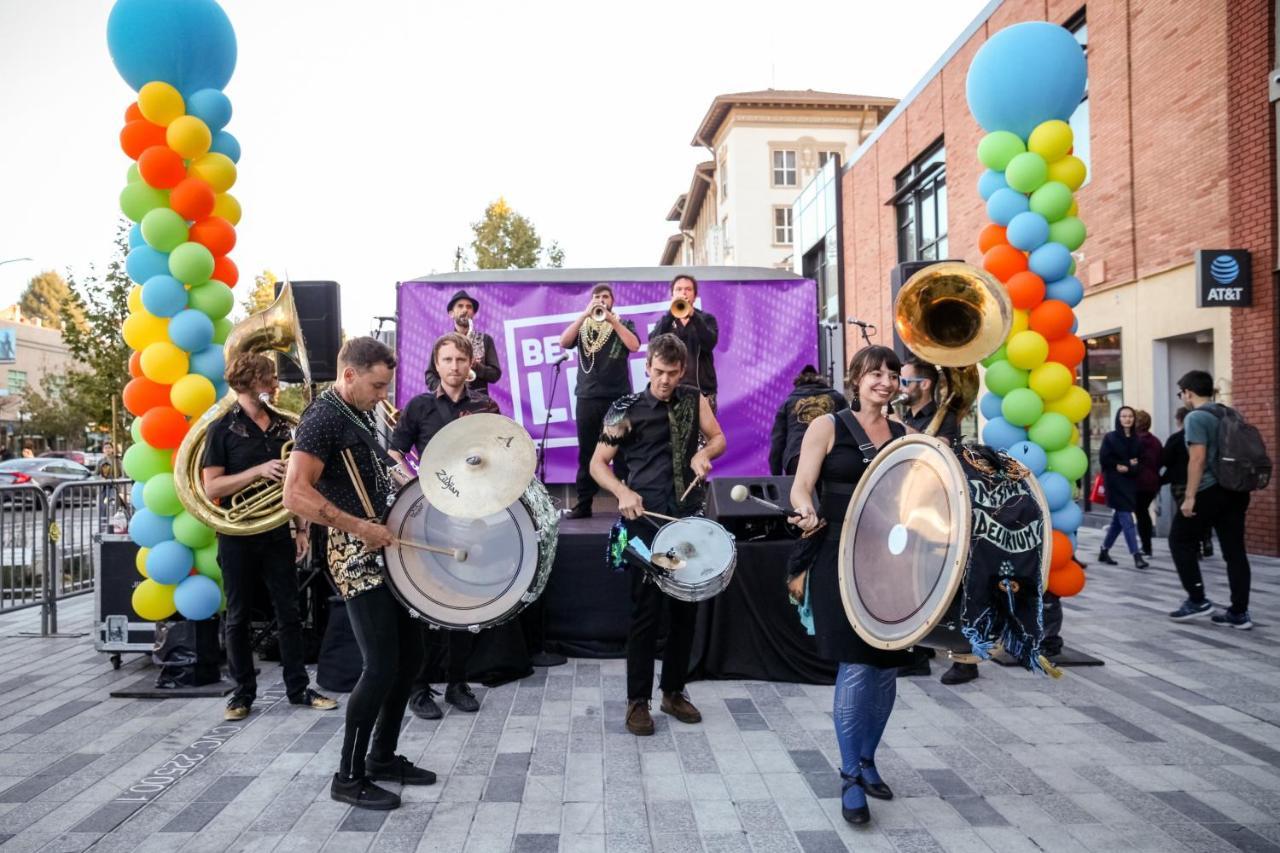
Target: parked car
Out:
[44,471]
[76,456]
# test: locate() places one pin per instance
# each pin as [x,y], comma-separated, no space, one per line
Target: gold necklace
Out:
[595,334]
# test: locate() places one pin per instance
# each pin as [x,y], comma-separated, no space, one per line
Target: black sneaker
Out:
[237,708]
[363,794]
[579,511]
[459,695]
[1191,609]
[312,699]
[1239,621]
[960,673]
[398,769]
[423,705]
[1139,562]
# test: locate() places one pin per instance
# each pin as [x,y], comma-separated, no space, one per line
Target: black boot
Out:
[1139,562]
[1105,558]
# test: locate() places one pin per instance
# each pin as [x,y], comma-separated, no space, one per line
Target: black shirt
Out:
[487,371]
[700,336]
[606,375]
[235,443]
[660,439]
[324,432]
[428,413]
[949,431]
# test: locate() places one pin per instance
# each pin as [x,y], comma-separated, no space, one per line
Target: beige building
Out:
[763,147]
[29,353]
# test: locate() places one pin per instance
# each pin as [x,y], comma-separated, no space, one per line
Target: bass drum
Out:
[934,543]
[509,557]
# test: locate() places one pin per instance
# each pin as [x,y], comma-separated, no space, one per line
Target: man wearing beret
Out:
[462,310]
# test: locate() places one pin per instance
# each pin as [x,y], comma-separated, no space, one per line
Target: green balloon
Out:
[191,263]
[1027,172]
[133,174]
[221,328]
[213,298]
[164,229]
[213,572]
[1002,377]
[142,462]
[1052,431]
[138,199]
[998,355]
[207,562]
[1069,231]
[1070,462]
[1052,201]
[160,496]
[135,430]
[998,148]
[1071,269]
[1022,407]
[191,532]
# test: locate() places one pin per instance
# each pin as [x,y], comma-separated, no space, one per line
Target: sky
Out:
[373,134]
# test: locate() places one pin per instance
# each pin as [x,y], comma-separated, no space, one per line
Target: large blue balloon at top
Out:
[1024,75]
[187,43]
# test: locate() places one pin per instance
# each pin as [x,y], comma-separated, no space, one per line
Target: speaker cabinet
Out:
[320,312]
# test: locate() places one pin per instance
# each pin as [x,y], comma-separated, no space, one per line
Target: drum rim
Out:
[691,592]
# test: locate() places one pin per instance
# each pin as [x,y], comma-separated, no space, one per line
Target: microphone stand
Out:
[532,618]
[546,423]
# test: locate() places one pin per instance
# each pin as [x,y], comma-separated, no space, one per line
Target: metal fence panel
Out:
[80,510]
[23,552]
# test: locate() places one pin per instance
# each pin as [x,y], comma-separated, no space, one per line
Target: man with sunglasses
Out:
[919,379]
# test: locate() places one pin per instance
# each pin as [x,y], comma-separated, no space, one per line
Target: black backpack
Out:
[1242,463]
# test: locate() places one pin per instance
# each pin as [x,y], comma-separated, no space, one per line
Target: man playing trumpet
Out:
[699,333]
[484,355]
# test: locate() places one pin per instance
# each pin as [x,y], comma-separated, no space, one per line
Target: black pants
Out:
[647,602]
[1224,513]
[454,647]
[590,419]
[391,645]
[269,556]
[1051,617]
[1143,516]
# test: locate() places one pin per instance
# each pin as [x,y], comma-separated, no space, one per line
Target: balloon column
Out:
[1023,85]
[177,55]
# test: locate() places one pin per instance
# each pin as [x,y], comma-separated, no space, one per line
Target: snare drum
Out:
[509,557]
[707,556]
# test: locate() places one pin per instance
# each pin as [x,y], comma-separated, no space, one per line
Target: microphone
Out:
[561,358]
[865,326]
[386,319]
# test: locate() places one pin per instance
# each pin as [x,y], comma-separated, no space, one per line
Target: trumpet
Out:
[681,308]
[599,313]
[471,376]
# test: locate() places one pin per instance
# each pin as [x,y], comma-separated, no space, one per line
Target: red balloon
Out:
[135,364]
[1052,318]
[163,427]
[225,271]
[1061,553]
[142,395]
[192,198]
[1004,261]
[215,234]
[1026,290]
[1068,350]
[990,237]
[162,167]
[133,113]
[1067,581]
[140,135]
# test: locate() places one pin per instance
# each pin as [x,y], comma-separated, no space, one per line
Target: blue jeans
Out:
[1121,521]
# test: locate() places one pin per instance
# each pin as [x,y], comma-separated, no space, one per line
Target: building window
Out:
[724,179]
[784,168]
[782,226]
[1104,380]
[17,381]
[920,202]
[824,156]
[1079,121]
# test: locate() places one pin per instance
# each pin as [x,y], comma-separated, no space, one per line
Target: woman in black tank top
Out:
[835,453]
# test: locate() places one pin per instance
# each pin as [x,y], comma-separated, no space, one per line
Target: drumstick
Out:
[660,515]
[458,554]
[690,489]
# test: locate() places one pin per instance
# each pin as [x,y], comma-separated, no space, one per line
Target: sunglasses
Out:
[905,380]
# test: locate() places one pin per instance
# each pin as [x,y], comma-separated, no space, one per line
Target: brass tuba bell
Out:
[258,507]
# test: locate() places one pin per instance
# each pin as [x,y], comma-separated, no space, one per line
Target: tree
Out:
[44,298]
[504,240]
[555,255]
[263,293]
[52,413]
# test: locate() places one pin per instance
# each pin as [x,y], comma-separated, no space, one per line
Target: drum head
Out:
[904,542]
[502,560]
[705,547]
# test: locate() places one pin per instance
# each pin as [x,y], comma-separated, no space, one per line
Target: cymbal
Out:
[476,466]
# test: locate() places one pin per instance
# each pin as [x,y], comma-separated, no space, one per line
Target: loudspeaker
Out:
[320,311]
[720,505]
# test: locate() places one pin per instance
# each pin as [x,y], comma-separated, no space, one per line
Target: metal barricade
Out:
[24,524]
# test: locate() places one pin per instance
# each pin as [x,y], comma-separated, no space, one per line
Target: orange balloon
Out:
[133,113]
[990,237]
[162,167]
[135,365]
[215,234]
[140,135]
[142,395]
[225,271]
[163,427]
[1004,261]
[1068,350]
[1026,290]
[1061,553]
[1052,318]
[192,198]
[1066,581]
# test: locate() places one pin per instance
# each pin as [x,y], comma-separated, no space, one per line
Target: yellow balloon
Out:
[141,329]
[140,561]
[216,170]
[1075,405]
[1075,435]
[226,206]
[135,299]
[164,363]
[1070,170]
[1051,140]
[1021,322]
[1050,380]
[189,136]
[153,601]
[160,103]
[1027,350]
[192,395]
[1074,209]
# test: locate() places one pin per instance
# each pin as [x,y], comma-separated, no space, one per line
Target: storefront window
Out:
[1104,379]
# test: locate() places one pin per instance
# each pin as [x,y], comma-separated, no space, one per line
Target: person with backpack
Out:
[1226,462]
[1120,459]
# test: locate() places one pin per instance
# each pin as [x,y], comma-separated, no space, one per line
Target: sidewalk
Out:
[1173,745]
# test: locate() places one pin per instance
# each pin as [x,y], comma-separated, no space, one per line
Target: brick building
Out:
[1178,132]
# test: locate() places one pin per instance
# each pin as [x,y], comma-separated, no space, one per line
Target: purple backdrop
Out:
[768,332]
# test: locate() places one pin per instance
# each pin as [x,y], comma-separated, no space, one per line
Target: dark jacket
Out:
[700,337]
[808,401]
[487,371]
[1118,449]
[1149,469]
[1174,461]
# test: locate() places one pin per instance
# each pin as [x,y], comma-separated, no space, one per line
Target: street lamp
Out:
[12,260]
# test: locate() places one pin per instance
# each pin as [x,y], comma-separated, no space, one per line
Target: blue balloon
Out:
[164,296]
[990,181]
[1030,454]
[135,236]
[1051,261]
[1028,231]
[1024,75]
[1075,325]
[1056,488]
[149,529]
[197,597]
[999,433]
[145,262]
[1067,289]
[209,363]
[135,496]
[1005,204]
[211,107]
[221,389]
[225,143]
[191,330]
[188,44]
[169,562]
[1072,538]
[1068,519]
[989,405]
